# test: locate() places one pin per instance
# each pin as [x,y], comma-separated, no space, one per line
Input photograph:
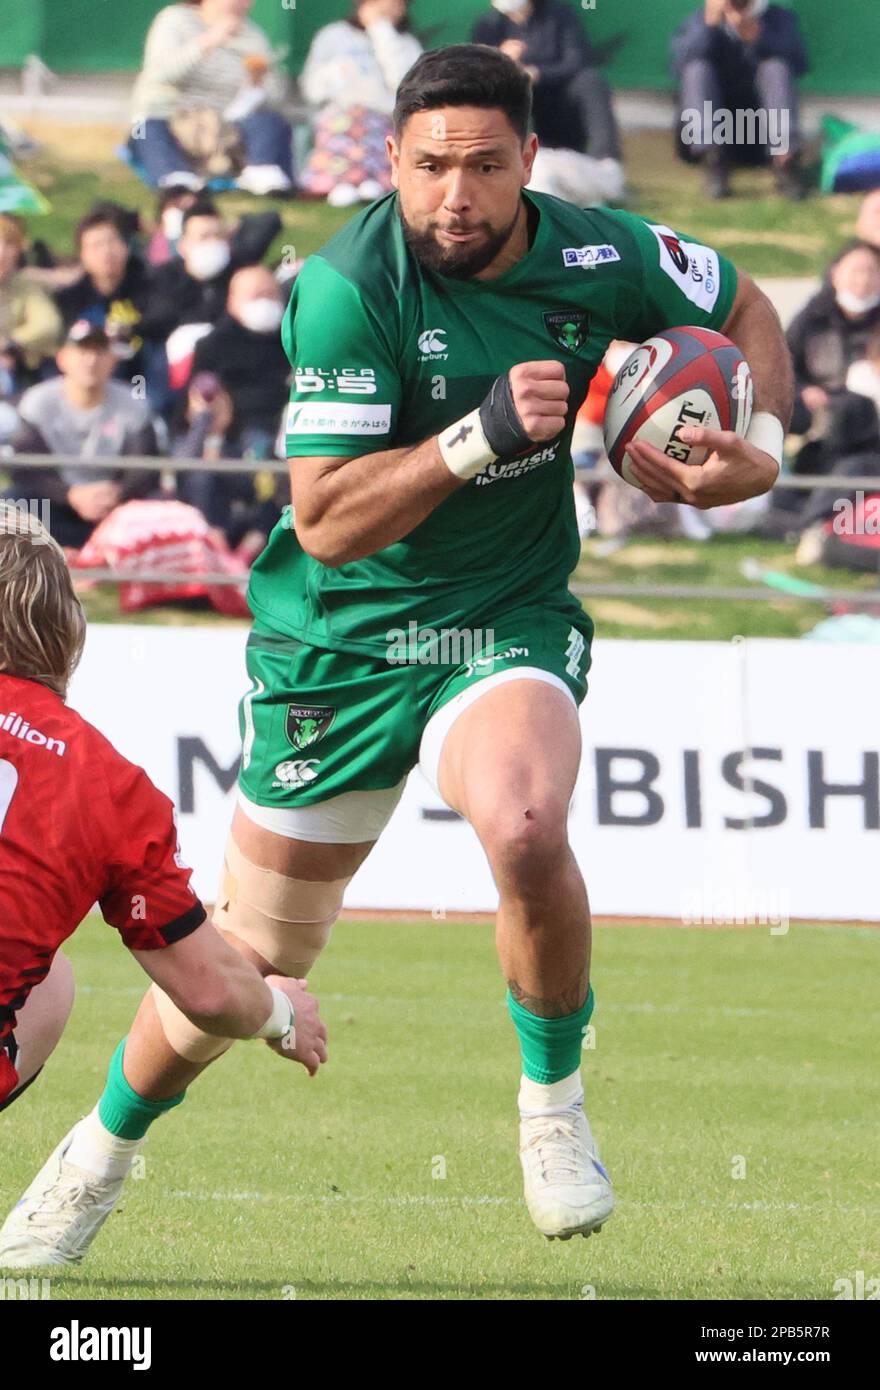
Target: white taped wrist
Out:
[464,447]
[280,1021]
[766,433]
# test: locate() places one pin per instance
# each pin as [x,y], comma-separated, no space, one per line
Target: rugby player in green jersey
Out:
[441,345]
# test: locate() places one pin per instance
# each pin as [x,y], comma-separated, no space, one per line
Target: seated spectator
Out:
[351,75]
[579,158]
[112,288]
[833,329]
[246,352]
[172,204]
[82,413]
[30,325]
[194,285]
[740,55]
[207,65]
[863,377]
[241,507]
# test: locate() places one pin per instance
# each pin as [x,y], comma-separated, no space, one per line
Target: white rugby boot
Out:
[60,1214]
[567,1190]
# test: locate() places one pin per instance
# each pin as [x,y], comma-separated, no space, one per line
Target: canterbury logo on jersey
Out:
[433,344]
[295,773]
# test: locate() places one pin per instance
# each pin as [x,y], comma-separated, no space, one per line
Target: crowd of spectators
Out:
[155,343]
[163,342]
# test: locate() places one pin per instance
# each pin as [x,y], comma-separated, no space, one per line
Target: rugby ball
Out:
[684,376]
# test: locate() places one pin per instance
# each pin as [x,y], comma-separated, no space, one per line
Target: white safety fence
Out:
[632,589]
[720,782]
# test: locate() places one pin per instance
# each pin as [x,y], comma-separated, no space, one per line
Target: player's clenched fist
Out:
[525,406]
[307,1042]
[539,392]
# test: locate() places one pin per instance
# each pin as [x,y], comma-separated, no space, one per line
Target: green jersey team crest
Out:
[568,327]
[306,724]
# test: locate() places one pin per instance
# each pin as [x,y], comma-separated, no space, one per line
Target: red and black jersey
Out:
[79,824]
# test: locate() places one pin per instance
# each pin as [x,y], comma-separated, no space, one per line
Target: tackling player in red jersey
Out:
[79,824]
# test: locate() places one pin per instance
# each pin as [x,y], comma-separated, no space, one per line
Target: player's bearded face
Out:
[460,174]
[459,262]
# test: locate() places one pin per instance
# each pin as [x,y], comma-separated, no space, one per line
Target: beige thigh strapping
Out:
[287,921]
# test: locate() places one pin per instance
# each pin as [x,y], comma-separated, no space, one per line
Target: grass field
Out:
[715,1049]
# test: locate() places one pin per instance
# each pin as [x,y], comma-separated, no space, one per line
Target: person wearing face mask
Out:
[245,350]
[833,329]
[740,55]
[579,156]
[828,338]
[192,287]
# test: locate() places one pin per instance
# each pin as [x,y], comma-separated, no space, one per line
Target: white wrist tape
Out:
[280,1020]
[766,433]
[464,447]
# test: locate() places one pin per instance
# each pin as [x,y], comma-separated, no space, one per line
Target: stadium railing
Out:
[162,463]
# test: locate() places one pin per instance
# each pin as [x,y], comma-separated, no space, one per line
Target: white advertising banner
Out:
[719,782]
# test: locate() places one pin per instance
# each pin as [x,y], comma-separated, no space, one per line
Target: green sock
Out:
[551,1047]
[122,1110]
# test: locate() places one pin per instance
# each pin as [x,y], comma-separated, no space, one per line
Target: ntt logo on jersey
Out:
[433,345]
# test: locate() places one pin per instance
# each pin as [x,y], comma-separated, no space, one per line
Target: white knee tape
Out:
[287,921]
[183,1037]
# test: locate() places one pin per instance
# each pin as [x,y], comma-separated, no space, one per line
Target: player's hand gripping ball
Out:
[684,376]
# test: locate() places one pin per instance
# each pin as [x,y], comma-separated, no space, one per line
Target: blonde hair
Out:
[42,624]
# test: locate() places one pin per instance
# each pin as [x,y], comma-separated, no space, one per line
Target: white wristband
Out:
[280,1021]
[465,448]
[766,433]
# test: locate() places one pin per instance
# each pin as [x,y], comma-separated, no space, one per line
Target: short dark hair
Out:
[202,207]
[105,213]
[466,74]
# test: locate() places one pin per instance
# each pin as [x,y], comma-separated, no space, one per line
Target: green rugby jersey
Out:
[386,353]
